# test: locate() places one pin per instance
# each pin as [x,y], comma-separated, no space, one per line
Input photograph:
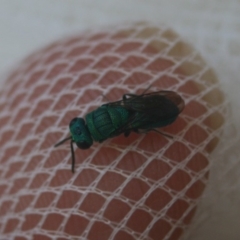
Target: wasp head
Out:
[80,133]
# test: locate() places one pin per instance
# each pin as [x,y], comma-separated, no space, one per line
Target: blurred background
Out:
[211,26]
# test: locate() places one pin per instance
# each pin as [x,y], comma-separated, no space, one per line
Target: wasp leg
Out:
[129,95]
[105,97]
[127,133]
[146,89]
[135,95]
[164,134]
[155,130]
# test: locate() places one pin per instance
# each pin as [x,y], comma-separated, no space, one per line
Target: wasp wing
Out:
[149,111]
[160,100]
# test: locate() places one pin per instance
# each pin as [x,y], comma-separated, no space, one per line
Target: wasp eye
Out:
[73,121]
[83,145]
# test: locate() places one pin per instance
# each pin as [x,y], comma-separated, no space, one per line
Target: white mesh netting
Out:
[140,187]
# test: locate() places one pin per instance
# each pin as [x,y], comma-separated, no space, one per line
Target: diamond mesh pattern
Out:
[140,187]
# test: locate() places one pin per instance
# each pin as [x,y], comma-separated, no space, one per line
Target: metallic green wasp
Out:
[134,113]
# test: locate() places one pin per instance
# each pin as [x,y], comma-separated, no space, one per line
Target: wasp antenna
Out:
[62,141]
[73,156]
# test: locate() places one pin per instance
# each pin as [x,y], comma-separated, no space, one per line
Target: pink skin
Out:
[140,187]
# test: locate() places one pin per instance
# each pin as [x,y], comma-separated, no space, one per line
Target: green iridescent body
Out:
[101,124]
[134,113]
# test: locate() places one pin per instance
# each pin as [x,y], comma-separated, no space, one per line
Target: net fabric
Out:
[117,182]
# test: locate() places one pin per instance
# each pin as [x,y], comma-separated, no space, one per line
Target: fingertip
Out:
[155,180]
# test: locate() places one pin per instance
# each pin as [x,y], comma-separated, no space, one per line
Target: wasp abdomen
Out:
[105,120]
